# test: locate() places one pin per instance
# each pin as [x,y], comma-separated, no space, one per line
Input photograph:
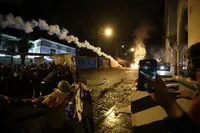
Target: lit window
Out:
[53,51]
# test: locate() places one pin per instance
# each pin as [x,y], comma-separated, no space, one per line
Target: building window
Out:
[53,51]
[3,45]
[53,46]
[63,49]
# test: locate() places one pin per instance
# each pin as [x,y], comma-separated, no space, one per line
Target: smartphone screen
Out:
[147,69]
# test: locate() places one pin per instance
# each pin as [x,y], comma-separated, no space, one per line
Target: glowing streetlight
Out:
[122,46]
[108,32]
[132,49]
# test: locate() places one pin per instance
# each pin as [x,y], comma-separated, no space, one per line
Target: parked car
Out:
[163,67]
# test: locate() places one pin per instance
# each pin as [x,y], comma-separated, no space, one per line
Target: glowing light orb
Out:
[108,32]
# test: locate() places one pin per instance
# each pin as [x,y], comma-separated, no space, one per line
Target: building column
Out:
[173,53]
[176,59]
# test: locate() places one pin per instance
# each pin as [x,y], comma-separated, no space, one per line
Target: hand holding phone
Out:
[147,70]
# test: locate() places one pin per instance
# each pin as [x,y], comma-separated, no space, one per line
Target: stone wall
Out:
[193,21]
[182,4]
[171,31]
[171,18]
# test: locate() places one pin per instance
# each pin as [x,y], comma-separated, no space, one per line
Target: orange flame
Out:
[134,66]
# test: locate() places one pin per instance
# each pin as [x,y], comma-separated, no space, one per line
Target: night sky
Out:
[86,18]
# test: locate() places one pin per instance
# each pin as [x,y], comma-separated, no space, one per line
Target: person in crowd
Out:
[51,80]
[83,104]
[54,105]
[22,79]
[55,108]
[193,59]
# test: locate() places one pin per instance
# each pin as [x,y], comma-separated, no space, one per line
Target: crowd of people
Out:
[56,88]
[28,80]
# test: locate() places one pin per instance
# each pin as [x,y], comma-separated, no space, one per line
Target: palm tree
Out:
[23,45]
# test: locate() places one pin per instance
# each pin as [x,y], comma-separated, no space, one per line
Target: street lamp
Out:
[122,46]
[102,31]
[132,49]
[108,32]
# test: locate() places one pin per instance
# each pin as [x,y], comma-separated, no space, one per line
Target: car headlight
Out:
[162,67]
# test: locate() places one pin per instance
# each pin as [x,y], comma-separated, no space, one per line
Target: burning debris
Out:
[62,33]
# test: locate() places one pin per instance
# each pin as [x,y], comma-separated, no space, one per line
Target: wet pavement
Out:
[112,102]
[115,98]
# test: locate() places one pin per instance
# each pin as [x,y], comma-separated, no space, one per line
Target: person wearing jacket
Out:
[54,105]
[179,121]
[83,105]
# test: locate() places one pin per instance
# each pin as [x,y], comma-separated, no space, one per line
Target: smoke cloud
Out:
[157,53]
[141,34]
[168,52]
[62,33]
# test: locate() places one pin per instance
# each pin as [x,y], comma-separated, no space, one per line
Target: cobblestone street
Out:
[116,97]
[111,107]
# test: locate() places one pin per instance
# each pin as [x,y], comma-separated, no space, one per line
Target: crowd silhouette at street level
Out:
[55,88]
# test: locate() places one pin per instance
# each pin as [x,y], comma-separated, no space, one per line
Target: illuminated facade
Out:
[41,45]
[3,41]
[183,29]
[45,46]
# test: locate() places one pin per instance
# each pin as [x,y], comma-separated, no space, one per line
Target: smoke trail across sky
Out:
[62,33]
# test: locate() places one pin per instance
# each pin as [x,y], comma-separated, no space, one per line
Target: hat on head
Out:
[194,51]
[64,86]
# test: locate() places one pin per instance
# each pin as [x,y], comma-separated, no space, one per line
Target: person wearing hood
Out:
[55,108]
[50,81]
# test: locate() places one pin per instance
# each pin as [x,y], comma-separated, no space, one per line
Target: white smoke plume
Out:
[168,52]
[62,33]
[141,34]
[158,54]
